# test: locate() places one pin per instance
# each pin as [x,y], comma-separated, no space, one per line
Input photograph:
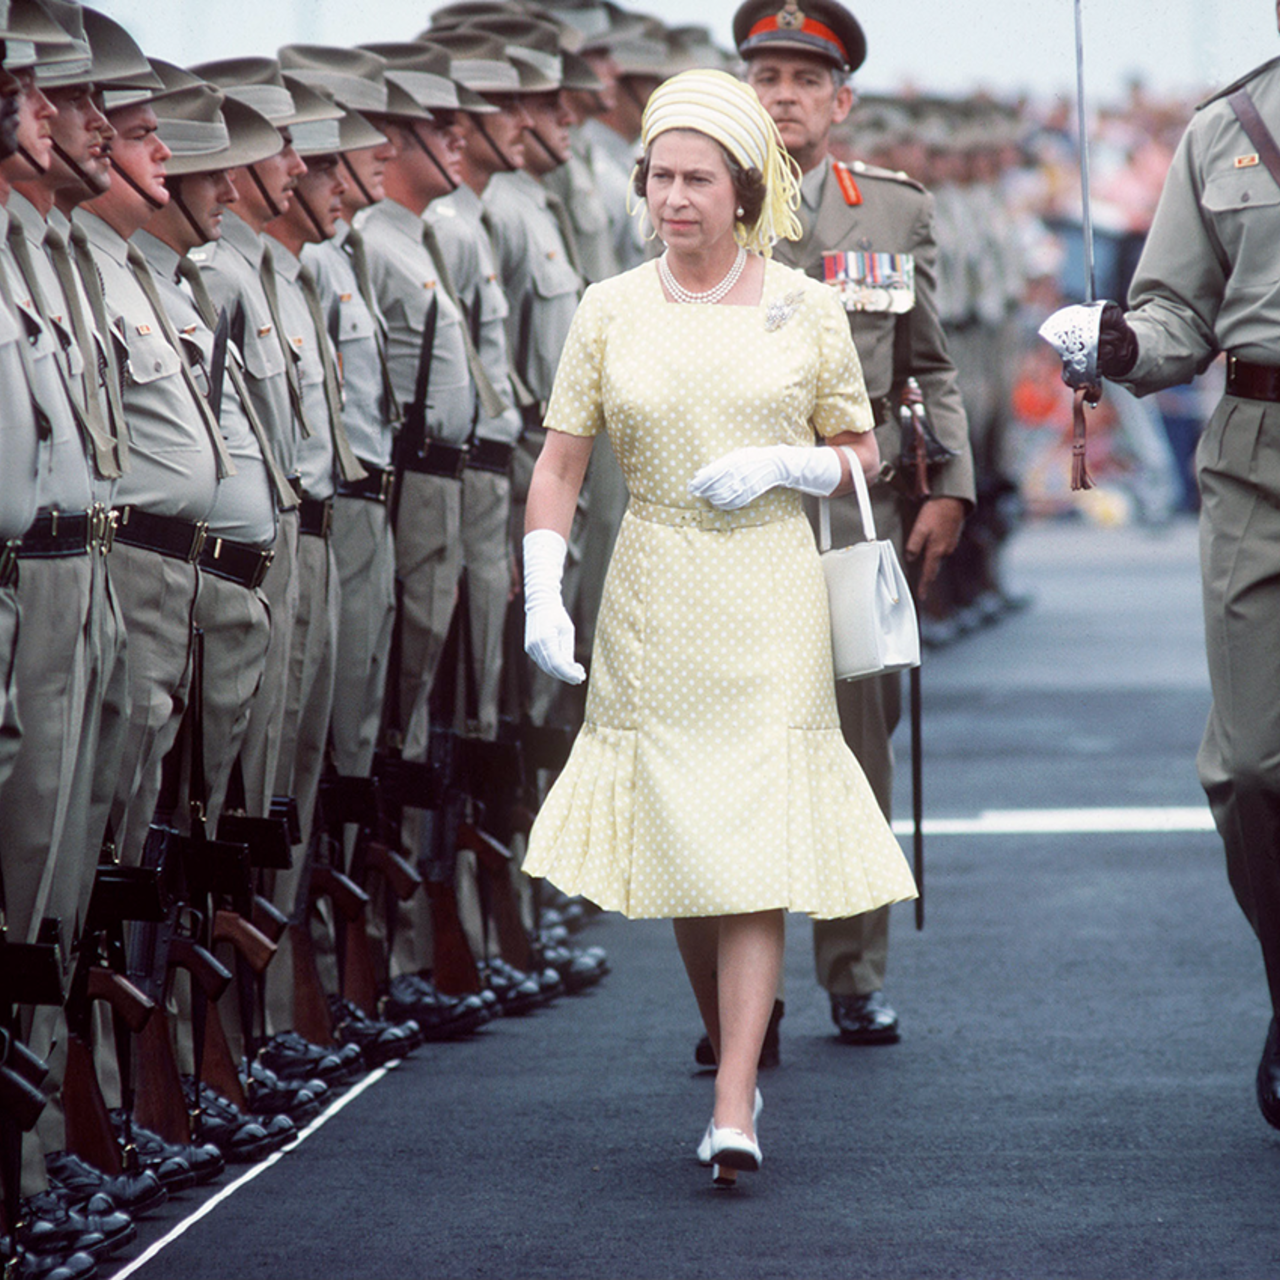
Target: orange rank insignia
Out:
[848,188]
[1247,162]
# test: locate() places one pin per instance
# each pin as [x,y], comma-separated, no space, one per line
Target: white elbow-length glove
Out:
[548,629]
[743,475]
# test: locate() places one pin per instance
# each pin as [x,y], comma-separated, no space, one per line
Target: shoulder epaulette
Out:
[864,170]
[203,254]
[1244,79]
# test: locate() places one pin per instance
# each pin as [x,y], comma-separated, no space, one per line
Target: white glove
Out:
[548,629]
[743,475]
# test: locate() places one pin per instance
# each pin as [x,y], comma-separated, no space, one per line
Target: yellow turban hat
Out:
[723,108]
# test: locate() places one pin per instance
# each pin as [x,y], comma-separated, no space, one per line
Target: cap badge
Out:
[790,18]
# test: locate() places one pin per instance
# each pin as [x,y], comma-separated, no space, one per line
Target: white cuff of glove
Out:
[548,629]
[743,475]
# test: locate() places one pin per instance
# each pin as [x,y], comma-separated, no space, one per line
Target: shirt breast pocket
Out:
[1244,205]
[553,276]
[150,357]
[263,357]
[355,324]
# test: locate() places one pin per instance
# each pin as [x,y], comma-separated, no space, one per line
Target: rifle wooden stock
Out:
[403,878]
[454,969]
[249,942]
[311,1017]
[126,1001]
[497,865]
[219,1066]
[89,1131]
[268,918]
[348,898]
[206,970]
[161,1105]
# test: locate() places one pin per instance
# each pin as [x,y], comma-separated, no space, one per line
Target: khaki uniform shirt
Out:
[612,159]
[172,468]
[579,189]
[895,215]
[354,330]
[458,221]
[405,279]
[1209,276]
[244,509]
[19,441]
[534,266]
[231,270]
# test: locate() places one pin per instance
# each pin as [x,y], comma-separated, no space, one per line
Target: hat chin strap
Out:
[272,207]
[76,167]
[311,214]
[431,155]
[132,182]
[31,160]
[355,177]
[175,197]
[546,146]
[503,158]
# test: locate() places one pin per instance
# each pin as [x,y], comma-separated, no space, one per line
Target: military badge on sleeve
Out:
[877,282]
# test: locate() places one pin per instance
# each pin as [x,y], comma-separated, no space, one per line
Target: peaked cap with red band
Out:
[820,27]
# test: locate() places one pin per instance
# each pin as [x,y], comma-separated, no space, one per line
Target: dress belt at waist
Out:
[1252,381]
[166,535]
[239,562]
[490,455]
[768,510]
[448,461]
[58,534]
[315,516]
[376,486]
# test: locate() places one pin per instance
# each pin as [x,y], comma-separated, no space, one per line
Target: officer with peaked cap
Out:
[798,58]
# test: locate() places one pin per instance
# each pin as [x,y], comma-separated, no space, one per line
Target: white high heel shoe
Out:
[731,1151]
[705,1152]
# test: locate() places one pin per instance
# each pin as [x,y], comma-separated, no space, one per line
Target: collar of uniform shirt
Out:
[464,200]
[102,236]
[161,258]
[812,184]
[237,233]
[287,266]
[32,220]
[398,216]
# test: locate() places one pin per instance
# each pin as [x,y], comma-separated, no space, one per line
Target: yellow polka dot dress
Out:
[710,776]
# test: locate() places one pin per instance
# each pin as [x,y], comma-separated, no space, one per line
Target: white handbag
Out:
[873,618]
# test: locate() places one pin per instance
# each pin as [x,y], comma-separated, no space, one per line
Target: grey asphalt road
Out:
[1082,1015]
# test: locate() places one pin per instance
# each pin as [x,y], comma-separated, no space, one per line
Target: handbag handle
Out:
[864,504]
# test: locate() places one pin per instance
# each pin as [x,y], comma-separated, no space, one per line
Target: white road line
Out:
[1022,822]
[232,1187]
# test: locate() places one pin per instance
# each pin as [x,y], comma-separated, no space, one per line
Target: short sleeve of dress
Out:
[577,401]
[841,402]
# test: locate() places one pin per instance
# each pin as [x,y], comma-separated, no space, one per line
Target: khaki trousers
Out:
[486,553]
[264,742]
[1239,760]
[306,715]
[10,725]
[365,557]
[850,955]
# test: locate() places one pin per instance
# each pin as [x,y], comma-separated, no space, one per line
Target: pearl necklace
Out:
[715,293]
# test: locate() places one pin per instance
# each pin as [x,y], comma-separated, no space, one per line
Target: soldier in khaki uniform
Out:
[798,59]
[1205,284]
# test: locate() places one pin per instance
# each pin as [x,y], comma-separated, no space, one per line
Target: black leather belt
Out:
[238,562]
[315,516]
[9,562]
[440,459]
[167,535]
[1253,381]
[376,486]
[490,455]
[58,534]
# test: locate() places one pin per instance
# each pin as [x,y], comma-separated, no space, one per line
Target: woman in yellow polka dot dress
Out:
[710,782]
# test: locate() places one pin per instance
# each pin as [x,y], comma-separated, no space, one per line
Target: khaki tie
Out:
[91,278]
[285,497]
[142,273]
[43,430]
[267,273]
[349,467]
[490,400]
[567,233]
[354,244]
[101,438]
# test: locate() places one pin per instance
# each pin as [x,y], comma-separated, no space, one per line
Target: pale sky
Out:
[939,46]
